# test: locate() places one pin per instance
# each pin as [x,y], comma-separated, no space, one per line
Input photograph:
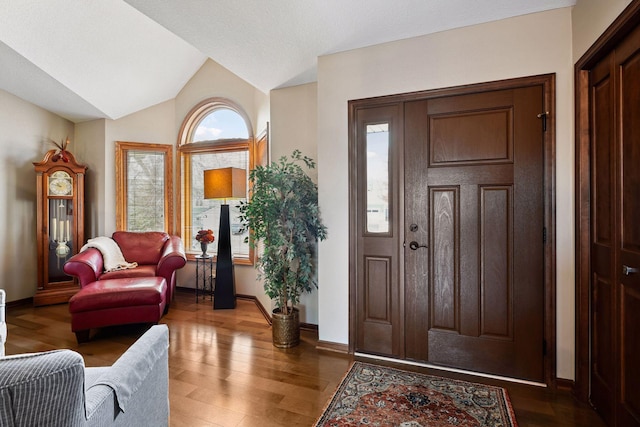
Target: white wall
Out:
[90,137]
[152,125]
[160,124]
[523,46]
[294,125]
[294,122]
[213,80]
[25,131]
[590,19]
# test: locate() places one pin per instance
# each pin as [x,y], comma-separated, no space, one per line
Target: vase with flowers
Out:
[205,237]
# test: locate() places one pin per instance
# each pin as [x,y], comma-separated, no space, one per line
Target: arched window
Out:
[220,124]
[216,134]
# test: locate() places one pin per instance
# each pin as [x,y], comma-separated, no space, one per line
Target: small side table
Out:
[204,276]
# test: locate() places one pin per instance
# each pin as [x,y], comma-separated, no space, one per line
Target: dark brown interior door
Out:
[615,232]
[628,67]
[603,376]
[474,283]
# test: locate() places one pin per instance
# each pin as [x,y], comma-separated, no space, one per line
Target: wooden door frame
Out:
[626,21]
[548,82]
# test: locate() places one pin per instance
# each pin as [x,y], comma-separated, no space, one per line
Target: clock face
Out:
[60,184]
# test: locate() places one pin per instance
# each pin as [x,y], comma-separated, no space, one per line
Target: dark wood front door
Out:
[474,294]
[455,275]
[615,248]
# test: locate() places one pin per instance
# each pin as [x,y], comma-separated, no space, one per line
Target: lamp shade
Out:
[225,183]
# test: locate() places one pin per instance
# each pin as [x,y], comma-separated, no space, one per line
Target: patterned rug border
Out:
[508,408]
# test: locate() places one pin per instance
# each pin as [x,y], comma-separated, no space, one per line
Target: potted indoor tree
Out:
[282,213]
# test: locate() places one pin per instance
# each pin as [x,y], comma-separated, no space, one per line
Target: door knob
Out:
[626,270]
[415,245]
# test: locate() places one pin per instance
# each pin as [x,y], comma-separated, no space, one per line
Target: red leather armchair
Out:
[156,253]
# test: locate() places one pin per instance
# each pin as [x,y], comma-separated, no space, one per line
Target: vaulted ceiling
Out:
[86,59]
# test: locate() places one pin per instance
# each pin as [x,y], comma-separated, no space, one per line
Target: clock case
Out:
[59,225]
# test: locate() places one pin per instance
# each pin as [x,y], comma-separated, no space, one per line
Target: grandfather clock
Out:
[59,224]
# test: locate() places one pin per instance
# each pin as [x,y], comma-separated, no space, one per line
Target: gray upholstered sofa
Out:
[54,388]
[3,324]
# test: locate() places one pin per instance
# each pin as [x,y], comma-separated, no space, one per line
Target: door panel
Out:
[417,265]
[484,177]
[377,307]
[628,69]
[603,244]
[379,136]
[603,365]
[495,262]
[614,84]
[630,387]
[445,290]
[448,136]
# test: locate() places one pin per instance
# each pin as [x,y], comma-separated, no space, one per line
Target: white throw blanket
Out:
[111,254]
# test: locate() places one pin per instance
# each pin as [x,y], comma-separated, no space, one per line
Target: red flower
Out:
[205,236]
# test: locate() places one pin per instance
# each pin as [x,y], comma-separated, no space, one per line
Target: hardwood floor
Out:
[224,371]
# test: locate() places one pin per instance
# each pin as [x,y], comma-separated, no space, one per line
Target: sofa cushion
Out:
[143,248]
[125,292]
[139,271]
[53,379]
[130,371]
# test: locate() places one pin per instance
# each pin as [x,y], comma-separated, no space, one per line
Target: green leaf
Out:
[283,213]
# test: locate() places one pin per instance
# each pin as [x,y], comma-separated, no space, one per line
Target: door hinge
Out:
[544,234]
[543,116]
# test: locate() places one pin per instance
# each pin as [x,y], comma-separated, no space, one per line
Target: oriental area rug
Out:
[372,395]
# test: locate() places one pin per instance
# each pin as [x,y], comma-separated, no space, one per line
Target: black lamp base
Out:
[225,293]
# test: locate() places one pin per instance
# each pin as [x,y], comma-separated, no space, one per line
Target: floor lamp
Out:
[226,183]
